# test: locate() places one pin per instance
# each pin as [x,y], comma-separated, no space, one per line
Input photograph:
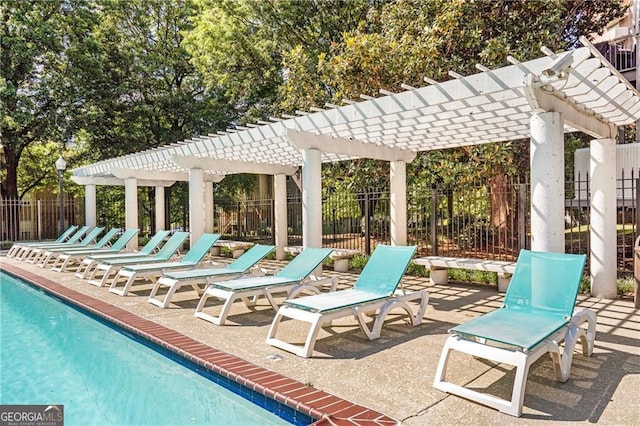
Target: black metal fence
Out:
[472,220]
[22,220]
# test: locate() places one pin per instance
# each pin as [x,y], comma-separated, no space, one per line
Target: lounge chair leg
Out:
[315,321]
[310,342]
[113,288]
[173,286]
[228,297]
[84,268]
[518,359]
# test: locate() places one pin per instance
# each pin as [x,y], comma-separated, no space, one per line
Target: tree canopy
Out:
[104,78]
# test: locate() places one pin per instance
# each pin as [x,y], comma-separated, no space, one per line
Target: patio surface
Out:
[394,374]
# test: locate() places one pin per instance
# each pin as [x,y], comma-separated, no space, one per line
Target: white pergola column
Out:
[280,214]
[208,207]
[160,217]
[398,171]
[90,205]
[311,198]
[131,209]
[547,182]
[602,174]
[196,204]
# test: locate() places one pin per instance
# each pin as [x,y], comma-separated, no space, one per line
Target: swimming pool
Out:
[54,354]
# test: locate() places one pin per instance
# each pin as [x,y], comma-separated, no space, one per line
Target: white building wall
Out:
[627,162]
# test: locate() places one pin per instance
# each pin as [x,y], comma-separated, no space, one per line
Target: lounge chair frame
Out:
[90,262]
[295,278]
[250,296]
[561,355]
[362,312]
[152,271]
[559,343]
[105,269]
[200,277]
[376,291]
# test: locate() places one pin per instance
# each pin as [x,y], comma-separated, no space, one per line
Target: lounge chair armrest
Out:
[590,317]
[267,271]
[313,284]
[321,281]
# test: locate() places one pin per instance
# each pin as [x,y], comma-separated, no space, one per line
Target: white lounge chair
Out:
[376,290]
[53,253]
[294,278]
[34,254]
[151,271]
[197,277]
[106,268]
[536,318]
[61,239]
[24,250]
[90,262]
[71,257]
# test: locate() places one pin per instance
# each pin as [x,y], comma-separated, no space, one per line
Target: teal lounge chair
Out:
[109,267]
[35,254]
[294,278]
[90,262]
[53,253]
[196,277]
[72,256]
[25,251]
[537,316]
[151,271]
[376,290]
[61,238]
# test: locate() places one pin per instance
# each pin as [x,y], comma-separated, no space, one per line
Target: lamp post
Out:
[60,166]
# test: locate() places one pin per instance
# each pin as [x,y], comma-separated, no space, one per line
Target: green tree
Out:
[263,54]
[141,90]
[407,40]
[35,96]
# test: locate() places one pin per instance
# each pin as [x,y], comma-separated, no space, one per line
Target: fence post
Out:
[434,221]
[238,220]
[367,225]
[637,206]
[273,221]
[333,218]
[522,216]
[39,219]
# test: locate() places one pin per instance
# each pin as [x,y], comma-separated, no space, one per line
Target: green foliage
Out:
[37,102]
[141,90]
[626,285]
[473,276]
[358,261]
[405,40]
[417,270]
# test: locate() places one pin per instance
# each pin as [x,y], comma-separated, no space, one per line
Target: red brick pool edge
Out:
[327,408]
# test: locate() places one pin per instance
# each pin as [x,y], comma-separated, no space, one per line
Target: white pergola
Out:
[539,99]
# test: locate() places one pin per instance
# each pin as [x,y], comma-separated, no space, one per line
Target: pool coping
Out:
[328,409]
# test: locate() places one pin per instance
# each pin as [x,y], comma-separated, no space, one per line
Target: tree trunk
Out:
[500,207]
[10,194]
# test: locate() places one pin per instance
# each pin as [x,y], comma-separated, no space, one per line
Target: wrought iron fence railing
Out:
[473,220]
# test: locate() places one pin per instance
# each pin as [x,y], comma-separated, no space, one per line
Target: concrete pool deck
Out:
[393,375]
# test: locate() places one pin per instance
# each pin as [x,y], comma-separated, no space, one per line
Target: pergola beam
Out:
[156,176]
[348,147]
[114,181]
[573,114]
[231,166]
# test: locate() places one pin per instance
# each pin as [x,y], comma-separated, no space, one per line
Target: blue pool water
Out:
[53,354]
